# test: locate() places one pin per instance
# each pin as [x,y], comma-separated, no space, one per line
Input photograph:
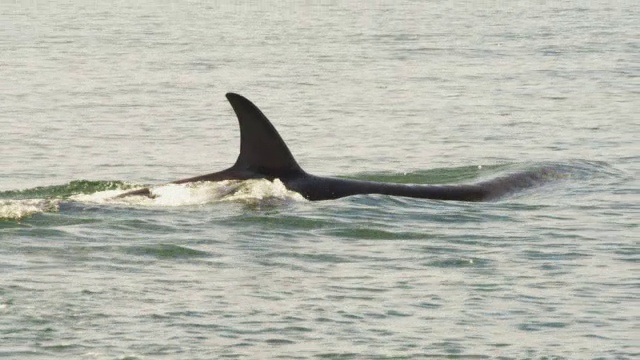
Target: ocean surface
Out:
[100,97]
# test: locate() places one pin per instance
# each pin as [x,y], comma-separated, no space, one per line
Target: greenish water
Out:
[99,98]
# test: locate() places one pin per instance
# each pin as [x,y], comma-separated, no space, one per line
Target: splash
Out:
[199,193]
[21,204]
[22,208]
[260,190]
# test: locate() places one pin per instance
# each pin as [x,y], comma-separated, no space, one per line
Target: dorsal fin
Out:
[262,150]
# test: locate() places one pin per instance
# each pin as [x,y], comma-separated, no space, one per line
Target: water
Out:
[97,98]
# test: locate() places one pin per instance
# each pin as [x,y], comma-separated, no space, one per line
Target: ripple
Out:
[166,251]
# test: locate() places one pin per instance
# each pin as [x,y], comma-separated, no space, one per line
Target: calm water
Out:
[96,98]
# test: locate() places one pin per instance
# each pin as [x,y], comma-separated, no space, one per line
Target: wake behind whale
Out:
[264,155]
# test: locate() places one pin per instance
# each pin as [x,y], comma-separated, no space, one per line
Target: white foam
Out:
[198,193]
[169,195]
[262,189]
[18,209]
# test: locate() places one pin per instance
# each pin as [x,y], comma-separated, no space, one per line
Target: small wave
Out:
[544,171]
[166,251]
[432,176]
[65,190]
[23,208]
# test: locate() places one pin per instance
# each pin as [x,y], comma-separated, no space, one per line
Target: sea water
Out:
[97,98]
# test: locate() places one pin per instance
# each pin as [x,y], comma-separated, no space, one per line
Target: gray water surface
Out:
[101,96]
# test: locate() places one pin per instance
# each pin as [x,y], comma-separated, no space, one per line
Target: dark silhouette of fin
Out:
[262,150]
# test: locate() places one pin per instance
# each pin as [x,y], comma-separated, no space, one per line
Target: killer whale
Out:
[263,154]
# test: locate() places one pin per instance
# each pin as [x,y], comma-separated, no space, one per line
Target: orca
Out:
[263,154]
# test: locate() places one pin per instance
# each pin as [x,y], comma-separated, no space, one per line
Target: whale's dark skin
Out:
[264,155]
